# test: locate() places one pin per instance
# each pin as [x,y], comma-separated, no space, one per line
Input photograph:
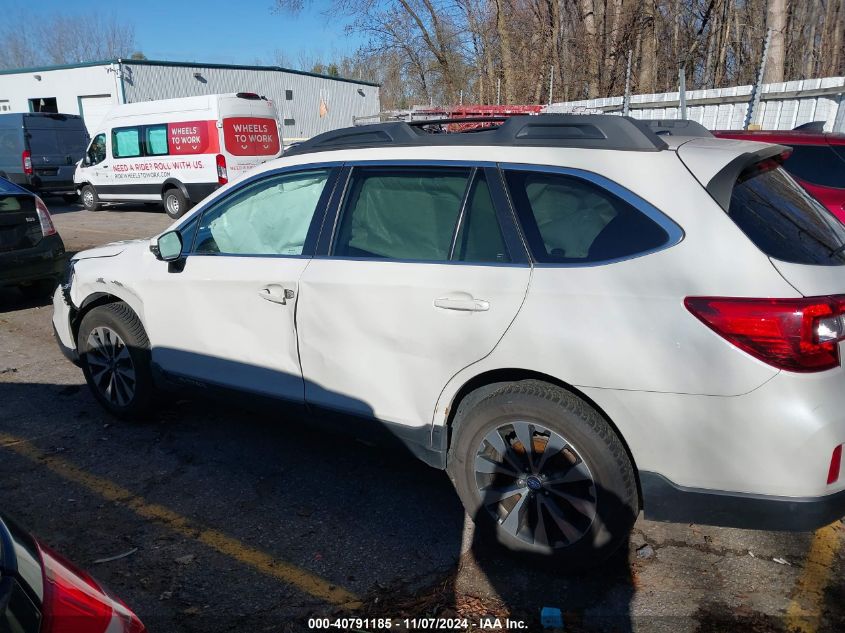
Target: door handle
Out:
[275,293]
[462,304]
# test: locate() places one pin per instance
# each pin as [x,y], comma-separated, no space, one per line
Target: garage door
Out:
[93,109]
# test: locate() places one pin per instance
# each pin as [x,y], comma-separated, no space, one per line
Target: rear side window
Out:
[817,164]
[784,221]
[480,236]
[156,140]
[126,142]
[401,213]
[569,220]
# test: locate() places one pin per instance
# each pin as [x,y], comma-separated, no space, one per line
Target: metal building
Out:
[307,103]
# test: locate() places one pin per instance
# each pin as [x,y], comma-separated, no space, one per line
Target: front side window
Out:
[783,220]
[97,150]
[126,142]
[155,137]
[401,213]
[270,217]
[567,219]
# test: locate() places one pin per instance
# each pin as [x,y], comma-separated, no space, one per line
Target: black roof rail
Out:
[591,131]
[677,127]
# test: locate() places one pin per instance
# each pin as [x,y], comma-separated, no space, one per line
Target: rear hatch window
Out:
[783,220]
[19,225]
[251,136]
[817,165]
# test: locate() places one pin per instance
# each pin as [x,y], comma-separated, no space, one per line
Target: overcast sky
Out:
[219,31]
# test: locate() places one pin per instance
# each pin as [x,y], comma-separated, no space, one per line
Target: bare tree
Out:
[776,22]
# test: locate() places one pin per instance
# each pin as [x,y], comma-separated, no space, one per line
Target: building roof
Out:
[155,62]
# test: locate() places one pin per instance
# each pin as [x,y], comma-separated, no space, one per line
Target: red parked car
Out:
[41,592]
[817,160]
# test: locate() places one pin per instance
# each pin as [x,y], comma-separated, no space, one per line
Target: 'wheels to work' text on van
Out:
[176,151]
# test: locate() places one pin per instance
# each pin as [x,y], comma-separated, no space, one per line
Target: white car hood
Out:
[110,250]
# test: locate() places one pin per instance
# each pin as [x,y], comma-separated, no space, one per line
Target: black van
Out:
[39,150]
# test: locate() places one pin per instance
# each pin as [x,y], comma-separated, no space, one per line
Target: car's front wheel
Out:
[89,198]
[115,355]
[543,474]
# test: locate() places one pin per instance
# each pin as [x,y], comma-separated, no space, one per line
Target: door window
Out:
[401,213]
[480,236]
[567,219]
[270,217]
[126,142]
[97,150]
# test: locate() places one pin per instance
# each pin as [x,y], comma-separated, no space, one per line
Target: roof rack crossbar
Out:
[590,131]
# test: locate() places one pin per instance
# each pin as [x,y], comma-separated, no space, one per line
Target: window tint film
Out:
[817,164]
[783,220]
[156,138]
[570,220]
[480,236]
[270,217]
[97,149]
[126,142]
[401,213]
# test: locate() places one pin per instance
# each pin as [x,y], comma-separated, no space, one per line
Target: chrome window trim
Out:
[673,230]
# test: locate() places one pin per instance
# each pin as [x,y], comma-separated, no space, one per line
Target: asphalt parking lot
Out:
[210,518]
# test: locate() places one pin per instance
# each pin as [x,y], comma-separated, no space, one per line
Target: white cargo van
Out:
[176,151]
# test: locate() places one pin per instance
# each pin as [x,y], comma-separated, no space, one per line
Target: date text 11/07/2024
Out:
[365,625]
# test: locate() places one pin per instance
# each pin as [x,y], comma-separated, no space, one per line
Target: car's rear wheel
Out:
[89,197]
[175,203]
[544,475]
[115,355]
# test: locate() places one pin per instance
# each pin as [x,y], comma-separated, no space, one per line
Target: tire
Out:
[70,198]
[90,199]
[40,289]
[586,517]
[175,203]
[115,356]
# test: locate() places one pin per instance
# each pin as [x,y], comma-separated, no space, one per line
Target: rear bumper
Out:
[664,500]
[44,261]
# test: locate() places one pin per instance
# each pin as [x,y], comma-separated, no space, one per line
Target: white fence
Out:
[783,106]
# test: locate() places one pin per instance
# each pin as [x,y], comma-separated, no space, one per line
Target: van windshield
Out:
[783,220]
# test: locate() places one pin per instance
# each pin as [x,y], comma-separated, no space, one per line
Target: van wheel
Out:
[543,475]
[175,203]
[90,200]
[114,352]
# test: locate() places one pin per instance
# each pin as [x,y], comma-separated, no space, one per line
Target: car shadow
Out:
[356,508]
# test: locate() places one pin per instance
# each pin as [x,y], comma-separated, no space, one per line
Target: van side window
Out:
[155,138]
[569,220]
[126,142]
[97,150]
[401,213]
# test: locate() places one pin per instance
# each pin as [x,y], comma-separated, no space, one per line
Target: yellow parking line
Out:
[214,539]
[804,611]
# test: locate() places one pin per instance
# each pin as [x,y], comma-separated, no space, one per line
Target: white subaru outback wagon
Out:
[576,317]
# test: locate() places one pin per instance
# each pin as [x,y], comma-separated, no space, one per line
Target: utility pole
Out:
[551,83]
[682,91]
[757,88]
[626,99]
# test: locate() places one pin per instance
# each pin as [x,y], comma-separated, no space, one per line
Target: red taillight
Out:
[75,603]
[44,218]
[222,176]
[835,465]
[26,161]
[800,335]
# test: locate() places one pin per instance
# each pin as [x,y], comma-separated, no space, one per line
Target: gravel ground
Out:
[240,521]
